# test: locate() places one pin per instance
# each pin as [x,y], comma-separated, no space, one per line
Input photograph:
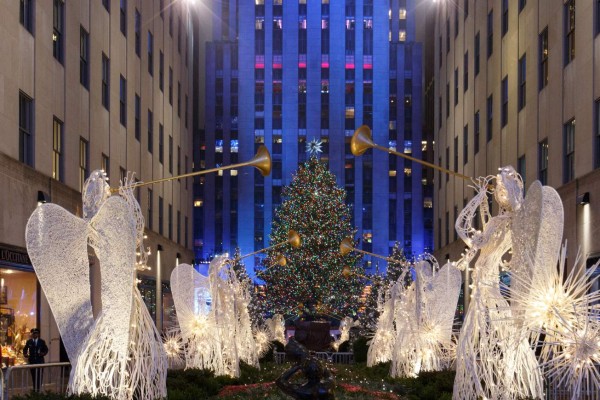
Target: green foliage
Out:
[427,386]
[360,349]
[57,396]
[314,207]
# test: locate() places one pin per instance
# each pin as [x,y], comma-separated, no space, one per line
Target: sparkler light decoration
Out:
[120,354]
[345,325]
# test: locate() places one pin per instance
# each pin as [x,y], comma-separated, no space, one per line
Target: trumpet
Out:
[293,239]
[362,140]
[260,161]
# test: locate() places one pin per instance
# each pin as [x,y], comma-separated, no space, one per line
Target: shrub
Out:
[360,349]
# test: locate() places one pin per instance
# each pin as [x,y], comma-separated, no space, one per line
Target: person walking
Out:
[35,349]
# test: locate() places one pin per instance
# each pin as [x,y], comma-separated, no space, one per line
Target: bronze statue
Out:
[319,383]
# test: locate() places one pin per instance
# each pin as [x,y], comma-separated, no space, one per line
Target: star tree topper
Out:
[314,147]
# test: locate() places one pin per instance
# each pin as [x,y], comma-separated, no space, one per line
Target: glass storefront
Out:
[18,311]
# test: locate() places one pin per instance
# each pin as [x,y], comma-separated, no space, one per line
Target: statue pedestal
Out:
[314,335]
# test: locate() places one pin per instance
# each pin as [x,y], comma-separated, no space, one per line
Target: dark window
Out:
[150,132]
[439,112]
[569,151]
[456,19]
[171,21]
[57,154]
[170,222]
[26,13]
[84,162]
[490,117]
[490,33]
[160,215]
[123,101]
[447,100]
[597,16]
[466,72]
[466,8]
[161,71]
[447,162]
[105,81]
[170,154]
[504,17]
[465,144]
[447,35]
[59,28]
[544,58]
[138,34]
[185,232]
[178,226]
[170,86]
[123,18]
[522,4]
[504,116]
[455,153]
[569,31]
[178,160]
[186,111]
[522,169]
[543,162]
[456,86]
[25,129]
[476,132]
[161,143]
[138,117]
[477,54]
[106,4]
[150,53]
[105,164]
[149,217]
[522,81]
[84,57]
[178,99]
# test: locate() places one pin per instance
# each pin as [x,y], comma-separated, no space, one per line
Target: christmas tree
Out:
[312,280]
[240,269]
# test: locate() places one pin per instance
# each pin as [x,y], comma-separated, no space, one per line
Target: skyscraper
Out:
[286,73]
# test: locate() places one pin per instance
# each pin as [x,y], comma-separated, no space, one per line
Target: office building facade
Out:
[92,85]
[516,84]
[284,73]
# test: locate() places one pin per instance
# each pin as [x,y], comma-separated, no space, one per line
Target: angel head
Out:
[509,189]
[95,191]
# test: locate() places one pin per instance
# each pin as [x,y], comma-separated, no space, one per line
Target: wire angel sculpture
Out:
[494,358]
[213,316]
[118,354]
[345,325]
[424,320]
[382,343]
[276,327]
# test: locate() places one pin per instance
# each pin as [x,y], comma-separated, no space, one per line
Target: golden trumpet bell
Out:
[262,161]
[281,260]
[362,140]
[294,239]
[346,246]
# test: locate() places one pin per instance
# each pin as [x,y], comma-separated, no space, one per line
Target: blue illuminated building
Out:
[282,73]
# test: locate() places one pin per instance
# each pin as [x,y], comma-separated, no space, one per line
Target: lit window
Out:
[234,145]
[392,173]
[424,145]
[198,203]
[402,35]
[408,171]
[407,146]
[402,13]
[392,145]
[349,112]
[427,202]
[218,146]
[234,172]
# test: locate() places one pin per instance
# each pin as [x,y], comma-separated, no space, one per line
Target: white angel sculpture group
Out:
[414,330]
[213,318]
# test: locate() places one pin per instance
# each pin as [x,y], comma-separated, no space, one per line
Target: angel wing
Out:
[191,295]
[114,241]
[57,245]
[440,302]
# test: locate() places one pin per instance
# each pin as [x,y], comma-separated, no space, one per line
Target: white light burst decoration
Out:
[314,147]
[173,344]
